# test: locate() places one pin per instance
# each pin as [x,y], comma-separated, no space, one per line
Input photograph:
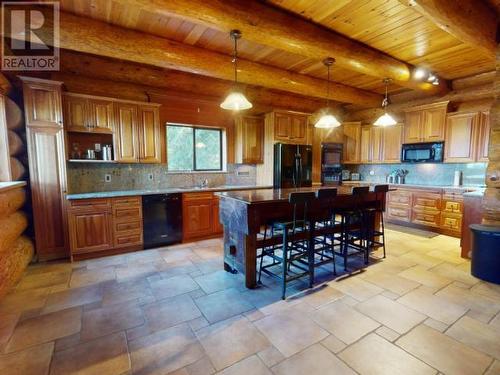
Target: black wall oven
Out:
[422,153]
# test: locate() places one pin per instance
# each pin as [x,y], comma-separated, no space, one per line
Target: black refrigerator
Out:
[292,166]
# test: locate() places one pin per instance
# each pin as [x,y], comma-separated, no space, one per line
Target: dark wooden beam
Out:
[99,38]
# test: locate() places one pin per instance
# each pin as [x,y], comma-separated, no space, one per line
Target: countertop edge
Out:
[415,186]
[6,186]
[124,193]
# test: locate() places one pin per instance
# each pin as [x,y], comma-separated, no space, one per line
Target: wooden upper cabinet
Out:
[298,131]
[101,115]
[281,127]
[391,145]
[483,139]
[376,140]
[76,113]
[426,123]
[88,114]
[365,152]
[352,142]
[413,127]
[434,124]
[149,134]
[290,127]
[126,133]
[460,140]
[42,102]
[249,140]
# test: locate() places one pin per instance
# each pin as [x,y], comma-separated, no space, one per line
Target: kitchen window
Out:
[191,148]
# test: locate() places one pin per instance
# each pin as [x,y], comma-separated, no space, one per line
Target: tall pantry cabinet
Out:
[47,165]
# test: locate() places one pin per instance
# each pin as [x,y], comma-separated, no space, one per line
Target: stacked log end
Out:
[16,250]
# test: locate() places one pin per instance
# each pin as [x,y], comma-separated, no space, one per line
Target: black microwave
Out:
[422,152]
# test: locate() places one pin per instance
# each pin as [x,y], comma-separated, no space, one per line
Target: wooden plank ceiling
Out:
[386,25]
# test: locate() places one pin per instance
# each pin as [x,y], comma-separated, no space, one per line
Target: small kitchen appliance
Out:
[331,169]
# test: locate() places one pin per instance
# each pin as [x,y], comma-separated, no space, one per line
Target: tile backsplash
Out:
[473,174]
[87,177]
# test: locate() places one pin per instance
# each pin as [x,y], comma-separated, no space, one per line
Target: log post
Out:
[491,199]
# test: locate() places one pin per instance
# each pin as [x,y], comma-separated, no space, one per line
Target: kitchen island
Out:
[243,213]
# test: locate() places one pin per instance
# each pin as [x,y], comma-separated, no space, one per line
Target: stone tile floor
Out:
[175,311]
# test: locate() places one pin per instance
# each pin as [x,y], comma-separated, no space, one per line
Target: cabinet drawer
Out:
[400,197]
[98,204]
[197,196]
[398,213]
[427,201]
[426,217]
[127,214]
[128,240]
[452,222]
[452,206]
[128,226]
[127,201]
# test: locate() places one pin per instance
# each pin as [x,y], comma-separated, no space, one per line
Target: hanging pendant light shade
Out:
[327,119]
[386,119]
[236,100]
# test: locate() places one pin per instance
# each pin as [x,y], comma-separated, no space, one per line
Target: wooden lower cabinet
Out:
[434,209]
[104,224]
[200,216]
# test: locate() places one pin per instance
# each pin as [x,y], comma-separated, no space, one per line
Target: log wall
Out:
[16,250]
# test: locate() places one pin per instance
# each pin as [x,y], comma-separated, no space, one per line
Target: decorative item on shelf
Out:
[355,177]
[76,153]
[106,152]
[90,154]
[236,100]
[327,119]
[386,119]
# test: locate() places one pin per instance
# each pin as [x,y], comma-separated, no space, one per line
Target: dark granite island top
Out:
[243,213]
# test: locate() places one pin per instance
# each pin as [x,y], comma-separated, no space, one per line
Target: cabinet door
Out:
[434,124]
[42,103]
[298,129]
[352,142]
[217,226]
[101,115]
[413,127]
[376,138]
[282,124]
[483,139]
[126,134]
[76,113]
[252,141]
[149,134]
[366,154]
[392,140]
[197,218]
[460,137]
[90,231]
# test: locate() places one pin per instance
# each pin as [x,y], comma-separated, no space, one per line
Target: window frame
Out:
[195,127]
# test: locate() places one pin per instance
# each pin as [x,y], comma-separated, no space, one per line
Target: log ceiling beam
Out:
[120,71]
[267,25]
[471,21]
[99,38]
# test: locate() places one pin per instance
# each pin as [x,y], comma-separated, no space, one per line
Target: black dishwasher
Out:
[162,219]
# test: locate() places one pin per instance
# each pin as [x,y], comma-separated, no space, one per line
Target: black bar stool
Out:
[354,227]
[295,257]
[377,208]
[326,235]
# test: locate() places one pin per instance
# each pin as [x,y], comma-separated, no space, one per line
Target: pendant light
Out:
[327,119]
[236,100]
[386,119]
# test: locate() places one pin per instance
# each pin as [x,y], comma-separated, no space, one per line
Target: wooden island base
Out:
[243,213]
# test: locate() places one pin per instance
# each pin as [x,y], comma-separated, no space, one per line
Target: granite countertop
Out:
[4,186]
[124,193]
[277,195]
[416,186]
[477,193]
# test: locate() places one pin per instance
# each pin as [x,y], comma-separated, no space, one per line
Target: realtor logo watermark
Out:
[30,35]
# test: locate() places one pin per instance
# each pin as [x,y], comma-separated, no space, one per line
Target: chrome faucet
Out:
[204,183]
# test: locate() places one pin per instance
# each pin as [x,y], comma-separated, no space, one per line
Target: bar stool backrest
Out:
[380,191]
[358,193]
[326,197]
[301,200]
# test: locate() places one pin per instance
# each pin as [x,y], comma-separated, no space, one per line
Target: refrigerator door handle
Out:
[300,172]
